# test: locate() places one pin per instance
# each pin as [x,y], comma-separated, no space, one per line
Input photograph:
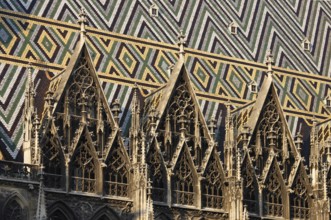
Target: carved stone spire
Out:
[150,210]
[212,126]
[29,112]
[314,156]
[238,168]
[298,140]
[269,61]
[229,142]
[36,151]
[135,111]
[153,117]
[167,134]
[41,213]
[181,43]
[328,151]
[29,93]
[82,20]
[50,103]
[134,129]
[143,148]
[325,187]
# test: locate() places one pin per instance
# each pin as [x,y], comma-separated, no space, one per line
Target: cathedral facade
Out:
[78,163]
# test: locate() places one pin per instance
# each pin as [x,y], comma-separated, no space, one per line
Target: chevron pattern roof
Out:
[128,46]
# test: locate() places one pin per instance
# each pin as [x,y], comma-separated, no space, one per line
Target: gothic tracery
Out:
[213,186]
[270,132]
[175,168]
[116,173]
[273,198]
[183,181]
[300,197]
[83,170]
[157,174]
[54,164]
[250,190]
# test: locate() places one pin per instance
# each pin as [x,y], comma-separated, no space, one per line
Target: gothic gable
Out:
[178,97]
[268,131]
[184,179]
[274,194]
[174,110]
[213,184]
[268,124]
[117,170]
[300,198]
[76,99]
[84,165]
[79,82]
[53,158]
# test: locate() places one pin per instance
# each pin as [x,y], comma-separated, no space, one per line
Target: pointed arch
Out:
[213,184]
[274,195]
[105,213]
[116,174]
[300,200]
[15,208]
[84,165]
[157,172]
[250,185]
[60,211]
[184,179]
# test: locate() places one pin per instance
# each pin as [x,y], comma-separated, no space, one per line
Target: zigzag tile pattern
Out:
[277,25]
[29,33]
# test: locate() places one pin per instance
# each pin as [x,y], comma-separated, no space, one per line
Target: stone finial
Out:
[181,43]
[238,165]
[212,126]
[298,139]
[82,20]
[153,117]
[30,84]
[135,99]
[269,60]
[116,110]
[228,109]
